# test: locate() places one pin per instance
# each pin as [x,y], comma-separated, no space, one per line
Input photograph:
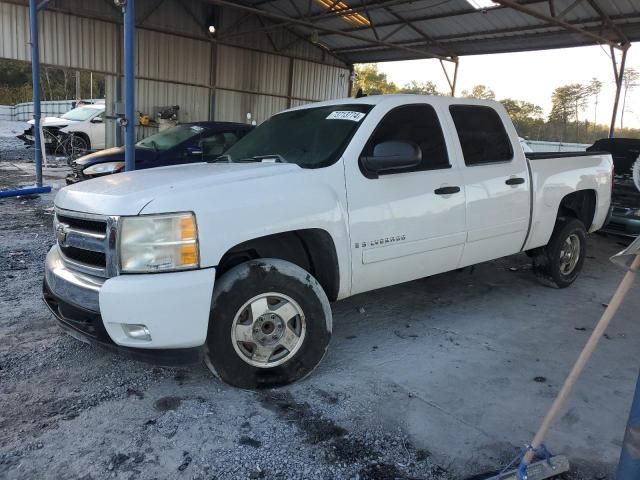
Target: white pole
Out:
[40,133]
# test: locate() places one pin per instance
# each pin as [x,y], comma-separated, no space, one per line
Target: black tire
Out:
[552,264]
[241,285]
[76,145]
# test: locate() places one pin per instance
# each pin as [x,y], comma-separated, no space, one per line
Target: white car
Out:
[86,123]
[237,260]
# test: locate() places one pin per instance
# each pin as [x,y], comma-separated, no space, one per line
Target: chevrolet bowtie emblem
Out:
[61,233]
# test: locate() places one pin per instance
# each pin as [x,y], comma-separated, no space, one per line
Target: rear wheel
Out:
[270,324]
[560,262]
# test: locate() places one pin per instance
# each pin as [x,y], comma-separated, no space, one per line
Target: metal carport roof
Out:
[359,31]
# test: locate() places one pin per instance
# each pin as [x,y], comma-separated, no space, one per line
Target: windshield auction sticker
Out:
[346,115]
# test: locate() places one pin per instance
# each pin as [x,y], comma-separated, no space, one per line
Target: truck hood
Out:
[53,122]
[116,154]
[128,193]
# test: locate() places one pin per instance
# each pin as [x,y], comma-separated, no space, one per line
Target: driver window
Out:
[418,124]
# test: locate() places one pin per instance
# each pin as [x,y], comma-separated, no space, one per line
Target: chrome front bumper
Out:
[74,287]
[74,299]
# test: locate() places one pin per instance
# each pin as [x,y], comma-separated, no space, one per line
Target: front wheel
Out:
[270,324]
[76,146]
[561,261]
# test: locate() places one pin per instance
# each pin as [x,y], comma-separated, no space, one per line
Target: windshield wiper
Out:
[272,158]
[221,158]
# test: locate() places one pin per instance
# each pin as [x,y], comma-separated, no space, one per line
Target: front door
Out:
[409,223]
[97,131]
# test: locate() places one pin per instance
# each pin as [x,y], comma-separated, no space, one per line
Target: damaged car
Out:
[624,218]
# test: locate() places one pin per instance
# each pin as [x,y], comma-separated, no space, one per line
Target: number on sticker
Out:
[346,115]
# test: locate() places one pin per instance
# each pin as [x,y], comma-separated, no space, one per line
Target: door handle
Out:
[514,181]
[446,190]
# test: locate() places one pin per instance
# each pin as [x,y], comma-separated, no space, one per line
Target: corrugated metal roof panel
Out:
[170,57]
[458,19]
[234,106]
[14,32]
[252,71]
[318,82]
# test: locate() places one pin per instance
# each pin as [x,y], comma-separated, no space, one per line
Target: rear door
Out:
[497,184]
[407,223]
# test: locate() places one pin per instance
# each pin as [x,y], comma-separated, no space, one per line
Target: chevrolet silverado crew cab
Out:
[236,260]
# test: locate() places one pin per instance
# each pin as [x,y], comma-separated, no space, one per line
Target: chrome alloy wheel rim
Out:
[570,254]
[268,330]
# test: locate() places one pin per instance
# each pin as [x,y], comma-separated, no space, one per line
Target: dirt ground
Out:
[441,378]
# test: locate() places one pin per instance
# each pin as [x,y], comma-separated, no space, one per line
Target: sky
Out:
[531,76]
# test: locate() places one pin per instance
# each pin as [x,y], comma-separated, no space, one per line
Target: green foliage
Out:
[374,82]
[526,116]
[426,88]
[55,83]
[480,92]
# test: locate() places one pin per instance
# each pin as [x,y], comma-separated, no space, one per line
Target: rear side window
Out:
[418,124]
[482,134]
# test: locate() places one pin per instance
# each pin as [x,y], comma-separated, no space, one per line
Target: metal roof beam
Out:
[457,13]
[312,26]
[607,19]
[561,23]
[419,31]
[467,36]
[568,9]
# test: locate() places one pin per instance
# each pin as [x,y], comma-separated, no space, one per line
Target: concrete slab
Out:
[473,359]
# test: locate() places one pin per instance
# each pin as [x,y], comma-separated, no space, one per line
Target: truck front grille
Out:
[93,259]
[86,241]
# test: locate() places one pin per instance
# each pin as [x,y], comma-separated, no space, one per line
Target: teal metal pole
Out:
[129,84]
[35,79]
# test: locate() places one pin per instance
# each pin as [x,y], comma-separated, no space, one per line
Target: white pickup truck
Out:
[237,260]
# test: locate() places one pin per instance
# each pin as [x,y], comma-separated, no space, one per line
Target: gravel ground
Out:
[69,410]
[12,149]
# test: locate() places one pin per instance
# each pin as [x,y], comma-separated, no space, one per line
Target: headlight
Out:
[159,243]
[101,168]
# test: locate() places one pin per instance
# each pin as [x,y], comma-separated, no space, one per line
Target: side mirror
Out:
[393,155]
[96,120]
[193,152]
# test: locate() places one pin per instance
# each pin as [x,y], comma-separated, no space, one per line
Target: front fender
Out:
[236,212]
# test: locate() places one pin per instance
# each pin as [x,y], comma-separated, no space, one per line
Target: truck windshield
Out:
[170,137]
[311,137]
[79,114]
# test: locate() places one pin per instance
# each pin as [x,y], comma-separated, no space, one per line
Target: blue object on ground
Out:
[25,191]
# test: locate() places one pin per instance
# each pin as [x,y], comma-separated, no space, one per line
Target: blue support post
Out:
[119,141]
[129,84]
[35,78]
[629,466]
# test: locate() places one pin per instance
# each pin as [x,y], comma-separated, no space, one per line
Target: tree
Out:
[526,116]
[629,82]
[426,88]
[372,81]
[593,89]
[481,92]
[567,102]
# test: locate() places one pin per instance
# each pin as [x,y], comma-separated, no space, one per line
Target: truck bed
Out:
[547,155]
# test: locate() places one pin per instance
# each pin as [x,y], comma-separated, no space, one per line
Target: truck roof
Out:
[401,98]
